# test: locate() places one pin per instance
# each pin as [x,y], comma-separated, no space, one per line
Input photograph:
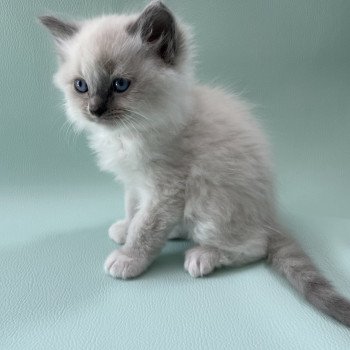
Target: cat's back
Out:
[231,157]
[225,121]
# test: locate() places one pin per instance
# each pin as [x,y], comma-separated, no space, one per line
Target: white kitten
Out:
[193,161]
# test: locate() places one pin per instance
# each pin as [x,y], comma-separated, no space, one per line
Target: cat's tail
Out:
[289,259]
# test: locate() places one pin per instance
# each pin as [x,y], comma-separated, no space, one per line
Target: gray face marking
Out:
[100,94]
[97,105]
[101,86]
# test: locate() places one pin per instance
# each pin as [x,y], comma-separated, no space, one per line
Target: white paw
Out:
[200,261]
[118,231]
[120,265]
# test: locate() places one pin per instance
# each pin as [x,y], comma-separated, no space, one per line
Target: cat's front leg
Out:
[118,231]
[147,234]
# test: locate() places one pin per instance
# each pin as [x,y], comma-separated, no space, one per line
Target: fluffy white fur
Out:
[193,160]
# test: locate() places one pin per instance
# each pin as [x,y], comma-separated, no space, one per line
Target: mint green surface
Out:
[292,59]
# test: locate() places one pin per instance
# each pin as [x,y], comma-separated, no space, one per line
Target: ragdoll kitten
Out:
[193,161]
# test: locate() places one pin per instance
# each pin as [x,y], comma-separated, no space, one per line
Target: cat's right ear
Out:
[60,30]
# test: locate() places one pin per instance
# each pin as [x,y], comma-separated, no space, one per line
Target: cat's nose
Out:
[97,106]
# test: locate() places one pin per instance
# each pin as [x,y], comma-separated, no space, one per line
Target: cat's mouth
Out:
[110,117]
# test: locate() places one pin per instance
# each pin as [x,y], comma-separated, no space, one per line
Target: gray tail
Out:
[290,260]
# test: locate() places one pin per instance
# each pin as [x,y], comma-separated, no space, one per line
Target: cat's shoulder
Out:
[220,105]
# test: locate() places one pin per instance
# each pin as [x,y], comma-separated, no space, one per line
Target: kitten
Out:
[193,161]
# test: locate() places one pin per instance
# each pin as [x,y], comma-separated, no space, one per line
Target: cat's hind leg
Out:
[224,250]
[202,260]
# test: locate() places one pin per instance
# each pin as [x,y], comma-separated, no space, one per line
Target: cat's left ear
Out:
[60,30]
[157,27]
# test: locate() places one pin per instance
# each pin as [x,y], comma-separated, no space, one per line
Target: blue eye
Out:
[80,85]
[121,85]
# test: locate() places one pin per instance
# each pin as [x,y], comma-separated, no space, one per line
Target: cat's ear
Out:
[157,27]
[60,30]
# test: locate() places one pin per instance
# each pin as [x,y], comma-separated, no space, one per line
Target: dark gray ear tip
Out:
[43,19]
[157,11]
[47,20]
[158,5]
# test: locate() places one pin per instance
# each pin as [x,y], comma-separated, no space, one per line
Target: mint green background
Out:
[292,59]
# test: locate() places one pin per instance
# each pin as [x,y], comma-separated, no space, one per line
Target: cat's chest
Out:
[123,157]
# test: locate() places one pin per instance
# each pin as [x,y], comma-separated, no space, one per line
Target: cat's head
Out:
[120,72]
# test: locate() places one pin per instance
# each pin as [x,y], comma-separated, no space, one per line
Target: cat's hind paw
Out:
[200,261]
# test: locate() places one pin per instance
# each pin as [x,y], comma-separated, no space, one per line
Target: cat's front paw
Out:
[120,264]
[118,231]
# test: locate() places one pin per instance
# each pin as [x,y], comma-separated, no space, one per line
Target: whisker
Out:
[129,120]
[137,131]
[125,125]
[137,121]
[66,130]
[131,113]
[145,126]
